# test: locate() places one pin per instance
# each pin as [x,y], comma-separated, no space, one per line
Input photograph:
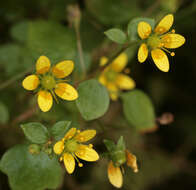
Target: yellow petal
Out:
[144,30]
[69,162]
[85,135]
[44,100]
[63,69]
[42,65]
[125,82]
[160,59]
[31,82]
[120,62]
[102,79]
[165,24]
[113,90]
[70,134]
[115,175]
[132,161]
[58,147]
[142,53]
[66,91]
[84,152]
[172,40]
[103,61]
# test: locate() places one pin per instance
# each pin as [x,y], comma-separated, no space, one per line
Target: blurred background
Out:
[167,154]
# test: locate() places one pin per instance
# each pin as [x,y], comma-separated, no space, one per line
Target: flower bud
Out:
[34,149]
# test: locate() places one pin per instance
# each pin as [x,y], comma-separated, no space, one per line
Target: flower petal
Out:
[165,24]
[120,62]
[84,152]
[58,147]
[142,53]
[70,134]
[160,59]
[63,69]
[103,61]
[172,40]
[102,79]
[85,135]
[69,162]
[66,91]
[115,175]
[131,161]
[113,90]
[31,82]
[144,30]
[42,65]
[44,100]
[125,82]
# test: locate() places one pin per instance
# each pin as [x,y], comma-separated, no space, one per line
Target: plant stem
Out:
[79,45]
[13,79]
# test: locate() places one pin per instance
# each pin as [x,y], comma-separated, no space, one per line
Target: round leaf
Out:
[93,99]
[59,129]
[32,172]
[116,35]
[35,132]
[138,110]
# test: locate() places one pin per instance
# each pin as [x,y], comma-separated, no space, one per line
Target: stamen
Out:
[81,138]
[122,169]
[90,146]
[127,71]
[54,95]
[79,163]
[173,31]
[171,53]
[61,158]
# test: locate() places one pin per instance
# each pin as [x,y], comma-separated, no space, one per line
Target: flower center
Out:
[154,41]
[111,75]
[71,145]
[48,82]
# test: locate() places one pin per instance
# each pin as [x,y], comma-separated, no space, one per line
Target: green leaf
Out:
[138,110]
[59,129]
[35,132]
[46,38]
[121,144]
[133,24]
[110,145]
[32,172]
[93,100]
[116,35]
[4,114]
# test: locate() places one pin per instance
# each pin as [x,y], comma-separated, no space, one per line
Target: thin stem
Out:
[79,45]
[13,79]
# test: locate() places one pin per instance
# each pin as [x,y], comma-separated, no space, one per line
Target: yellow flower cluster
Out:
[157,41]
[71,147]
[48,82]
[113,79]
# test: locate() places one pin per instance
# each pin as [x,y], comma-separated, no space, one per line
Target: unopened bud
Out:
[74,15]
[34,149]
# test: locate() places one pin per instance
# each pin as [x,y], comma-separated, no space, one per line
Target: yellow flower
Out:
[48,82]
[71,147]
[113,79]
[157,41]
[114,172]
